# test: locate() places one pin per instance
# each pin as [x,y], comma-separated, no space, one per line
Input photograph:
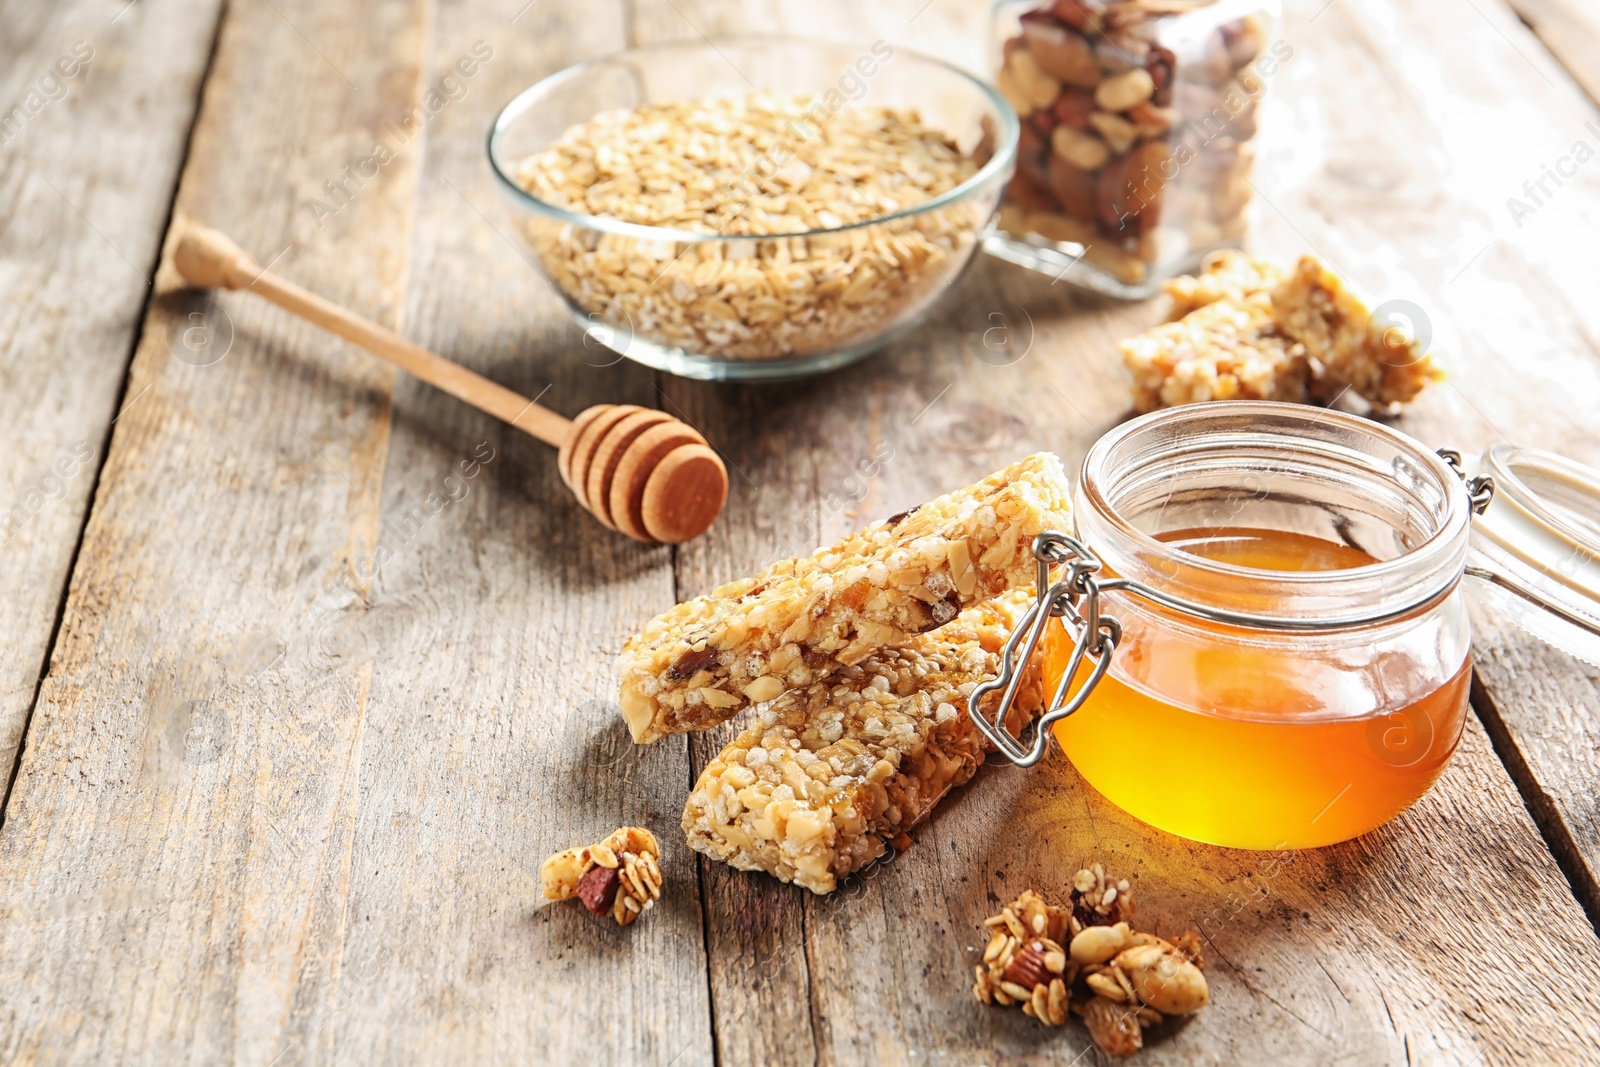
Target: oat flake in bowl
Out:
[723,234]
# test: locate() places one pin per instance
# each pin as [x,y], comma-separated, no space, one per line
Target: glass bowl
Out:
[742,308]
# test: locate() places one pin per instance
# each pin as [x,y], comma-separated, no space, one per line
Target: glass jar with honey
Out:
[1257,635]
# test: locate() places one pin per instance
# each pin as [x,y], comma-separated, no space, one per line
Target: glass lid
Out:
[1536,546]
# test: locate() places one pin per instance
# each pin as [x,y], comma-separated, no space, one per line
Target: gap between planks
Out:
[1570,31]
[134,337]
[1541,805]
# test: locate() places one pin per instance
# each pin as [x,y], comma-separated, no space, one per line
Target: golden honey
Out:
[1248,746]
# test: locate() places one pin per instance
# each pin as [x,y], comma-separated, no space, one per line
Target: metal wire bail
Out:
[1074,597]
[1480,488]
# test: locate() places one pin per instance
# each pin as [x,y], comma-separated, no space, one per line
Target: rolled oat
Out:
[711,167]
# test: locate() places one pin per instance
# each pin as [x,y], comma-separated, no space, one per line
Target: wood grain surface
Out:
[1506,293]
[180,837]
[1570,29]
[500,739]
[1347,186]
[334,670]
[95,109]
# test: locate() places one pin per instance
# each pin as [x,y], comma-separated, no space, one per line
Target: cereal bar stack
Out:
[1243,329]
[802,619]
[861,658]
[827,774]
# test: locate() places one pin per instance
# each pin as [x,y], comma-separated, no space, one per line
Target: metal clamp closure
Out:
[1075,597]
[1480,488]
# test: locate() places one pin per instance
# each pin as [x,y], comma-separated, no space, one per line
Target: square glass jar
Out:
[1139,133]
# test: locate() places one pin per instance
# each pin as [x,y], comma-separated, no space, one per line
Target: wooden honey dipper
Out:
[641,472]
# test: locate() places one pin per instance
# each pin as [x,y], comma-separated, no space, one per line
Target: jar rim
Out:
[1384,589]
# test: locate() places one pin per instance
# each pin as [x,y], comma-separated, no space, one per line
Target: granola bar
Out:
[801,619]
[1225,350]
[619,876]
[827,774]
[1348,349]
[1225,275]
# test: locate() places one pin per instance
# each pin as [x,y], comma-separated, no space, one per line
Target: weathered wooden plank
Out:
[95,107]
[504,743]
[1541,706]
[1403,946]
[1571,30]
[950,31]
[338,752]
[1499,270]
[192,774]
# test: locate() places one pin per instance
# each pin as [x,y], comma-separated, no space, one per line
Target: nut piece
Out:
[1028,967]
[1075,188]
[1107,986]
[1114,1027]
[598,888]
[1122,91]
[1097,944]
[1119,133]
[1074,109]
[619,875]
[1083,150]
[1163,978]
[1063,55]
[1038,88]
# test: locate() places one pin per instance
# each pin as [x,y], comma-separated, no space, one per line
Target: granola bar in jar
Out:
[1139,133]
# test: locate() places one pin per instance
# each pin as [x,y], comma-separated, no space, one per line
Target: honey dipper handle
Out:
[208,258]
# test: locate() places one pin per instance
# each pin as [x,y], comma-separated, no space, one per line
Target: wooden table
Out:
[265,810]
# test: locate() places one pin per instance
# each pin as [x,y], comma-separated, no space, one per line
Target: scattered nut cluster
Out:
[1024,962]
[1117,979]
[1136,143]
[755,166]
[619,876]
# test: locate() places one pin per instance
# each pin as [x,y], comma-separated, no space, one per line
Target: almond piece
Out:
[1083,150]
[1122,91]
[1063,55]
